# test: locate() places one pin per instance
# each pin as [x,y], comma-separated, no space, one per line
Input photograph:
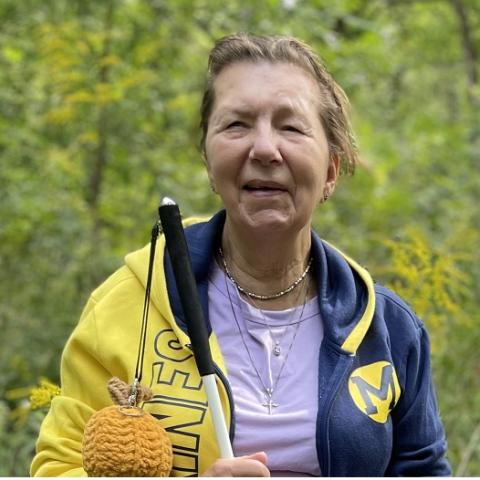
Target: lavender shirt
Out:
[288,434]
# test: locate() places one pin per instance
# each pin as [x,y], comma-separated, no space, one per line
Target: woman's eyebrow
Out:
[281,111]
[235,110]
[287,112]
[228,111]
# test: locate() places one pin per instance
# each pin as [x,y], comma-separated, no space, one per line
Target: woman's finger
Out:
[248,466]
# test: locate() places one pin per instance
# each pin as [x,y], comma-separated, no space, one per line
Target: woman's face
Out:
[266,151]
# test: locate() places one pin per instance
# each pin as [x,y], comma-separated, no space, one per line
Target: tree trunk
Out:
[471,67]
[468,44]
[100,155]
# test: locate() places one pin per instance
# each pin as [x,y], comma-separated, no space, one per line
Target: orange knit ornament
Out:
[125,441]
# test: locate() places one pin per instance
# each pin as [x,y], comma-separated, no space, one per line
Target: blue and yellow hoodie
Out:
[377,412]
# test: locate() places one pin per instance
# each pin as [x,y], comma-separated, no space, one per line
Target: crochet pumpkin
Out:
[125,441]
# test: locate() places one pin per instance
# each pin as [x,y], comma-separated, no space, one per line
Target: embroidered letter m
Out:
[375,390]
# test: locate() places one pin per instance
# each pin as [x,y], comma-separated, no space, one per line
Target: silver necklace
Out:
[277,348]
[269,391]
[258,296]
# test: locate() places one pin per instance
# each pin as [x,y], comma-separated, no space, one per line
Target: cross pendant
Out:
[269,404]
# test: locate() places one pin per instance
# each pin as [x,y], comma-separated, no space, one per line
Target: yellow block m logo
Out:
[375,390]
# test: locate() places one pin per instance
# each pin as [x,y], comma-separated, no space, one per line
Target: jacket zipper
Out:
[322,426]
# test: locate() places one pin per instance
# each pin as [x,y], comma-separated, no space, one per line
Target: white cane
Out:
[192,309]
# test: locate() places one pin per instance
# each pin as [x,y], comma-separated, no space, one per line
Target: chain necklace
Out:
[269,391]
[277,349]
[258,296]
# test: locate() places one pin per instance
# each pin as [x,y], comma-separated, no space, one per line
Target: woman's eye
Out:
[235,124]
[291,128]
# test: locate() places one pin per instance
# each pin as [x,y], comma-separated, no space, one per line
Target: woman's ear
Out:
[209,173]
[332,175]
[333,168]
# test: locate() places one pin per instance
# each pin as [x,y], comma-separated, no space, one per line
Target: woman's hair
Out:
[277,49]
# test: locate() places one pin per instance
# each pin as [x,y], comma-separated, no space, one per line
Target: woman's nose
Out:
[265,148]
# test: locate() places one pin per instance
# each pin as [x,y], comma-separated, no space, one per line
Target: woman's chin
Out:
[264,220]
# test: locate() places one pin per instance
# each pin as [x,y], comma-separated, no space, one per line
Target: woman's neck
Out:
[267,265]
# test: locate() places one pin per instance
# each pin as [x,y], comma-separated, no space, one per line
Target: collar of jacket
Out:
[345,290]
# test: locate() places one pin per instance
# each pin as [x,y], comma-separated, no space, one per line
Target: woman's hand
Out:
[254,465]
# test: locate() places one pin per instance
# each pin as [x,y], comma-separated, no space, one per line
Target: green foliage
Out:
[98,119]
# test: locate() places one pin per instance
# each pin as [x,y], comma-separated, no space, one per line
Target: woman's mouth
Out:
[263,189]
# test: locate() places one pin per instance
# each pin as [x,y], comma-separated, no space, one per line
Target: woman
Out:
[321,372]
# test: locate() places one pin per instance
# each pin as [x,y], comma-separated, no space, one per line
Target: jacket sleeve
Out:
[419,443]
[59,446]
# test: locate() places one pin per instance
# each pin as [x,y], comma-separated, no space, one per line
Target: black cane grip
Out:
[186,286]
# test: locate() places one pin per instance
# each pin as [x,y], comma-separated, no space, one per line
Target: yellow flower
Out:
[431,278]
[42,395]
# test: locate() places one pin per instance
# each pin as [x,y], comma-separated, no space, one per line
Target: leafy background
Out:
[98,119]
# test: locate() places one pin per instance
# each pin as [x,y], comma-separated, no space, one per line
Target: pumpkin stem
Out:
[120,391]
